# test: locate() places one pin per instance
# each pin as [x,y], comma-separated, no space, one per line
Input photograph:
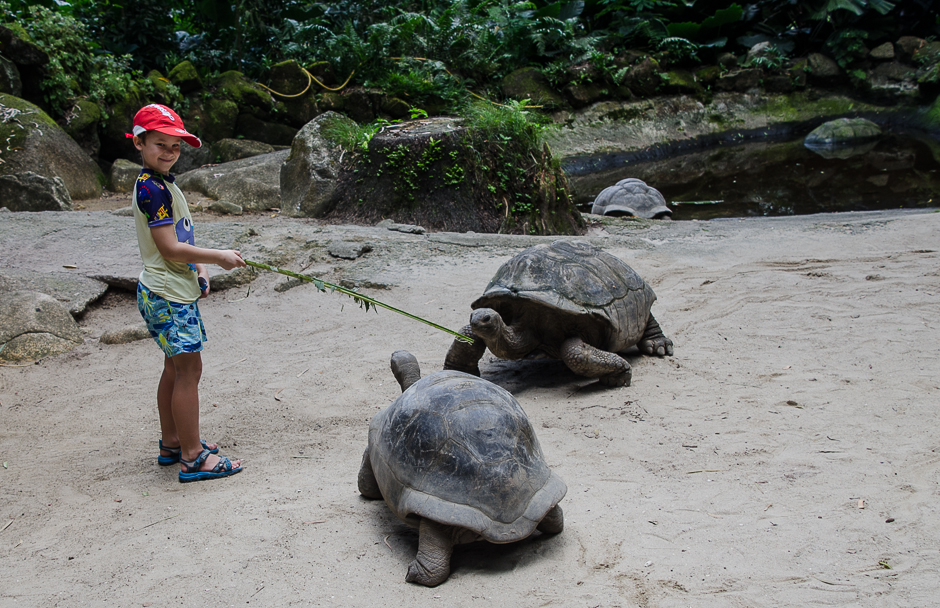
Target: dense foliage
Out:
[438,49]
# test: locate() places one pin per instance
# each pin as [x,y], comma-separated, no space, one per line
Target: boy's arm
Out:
[171,249]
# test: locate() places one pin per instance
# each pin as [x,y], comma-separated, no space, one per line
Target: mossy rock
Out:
[161,89]
[331,101]
[531,84]
[643,77]
[82,126]
[186,77]
[247,94]
[433,173]
[681,82]
[394,107]
[708,75]
[10,132]
[298,100]
[36,151]
[323,72]
[218,119]
[583,94]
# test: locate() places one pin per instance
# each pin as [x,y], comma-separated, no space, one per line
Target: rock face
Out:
[250,183]
[309,175]
[124,174]
[30,192]
[75,291]
[37,153]
[34,325]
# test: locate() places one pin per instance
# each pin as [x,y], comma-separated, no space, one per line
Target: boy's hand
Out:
[230,258]
[203,286]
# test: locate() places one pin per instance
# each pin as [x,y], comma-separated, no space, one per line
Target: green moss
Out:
[233,85]
[933,114]
[218,119]
[12,134]
[799,106]
[85,115]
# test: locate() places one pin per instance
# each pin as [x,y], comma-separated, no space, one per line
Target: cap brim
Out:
[186,136]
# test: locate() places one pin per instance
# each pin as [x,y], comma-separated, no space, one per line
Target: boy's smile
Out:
[159,151]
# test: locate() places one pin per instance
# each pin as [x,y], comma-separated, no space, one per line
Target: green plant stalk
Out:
[357,297]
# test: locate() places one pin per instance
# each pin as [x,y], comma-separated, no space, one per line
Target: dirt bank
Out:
[786,455]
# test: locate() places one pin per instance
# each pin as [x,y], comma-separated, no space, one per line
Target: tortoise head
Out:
[487,324]
[406,369]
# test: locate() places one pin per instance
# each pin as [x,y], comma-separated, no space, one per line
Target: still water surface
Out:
[899,170]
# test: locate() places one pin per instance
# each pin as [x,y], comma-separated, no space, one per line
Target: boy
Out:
[173,279]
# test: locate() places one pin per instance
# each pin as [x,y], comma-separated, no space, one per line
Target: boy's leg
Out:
[168,431]
[187,369]
[164,406]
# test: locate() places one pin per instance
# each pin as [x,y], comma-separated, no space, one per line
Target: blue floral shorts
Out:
[177,328]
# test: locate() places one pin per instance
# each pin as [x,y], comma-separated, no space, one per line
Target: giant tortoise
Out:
[567,300]
[456,457]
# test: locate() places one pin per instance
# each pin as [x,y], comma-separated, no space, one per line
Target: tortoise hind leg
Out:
[654,342]
[583,359]
[553,522]
[464,357]
[368,486]
[431,566]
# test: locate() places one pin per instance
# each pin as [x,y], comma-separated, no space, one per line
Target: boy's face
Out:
[159,151]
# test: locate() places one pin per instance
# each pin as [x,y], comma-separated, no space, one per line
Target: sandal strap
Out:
[193,466]
[175,450]
[224,465]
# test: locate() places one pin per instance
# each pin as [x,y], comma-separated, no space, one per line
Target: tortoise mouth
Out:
[486,322]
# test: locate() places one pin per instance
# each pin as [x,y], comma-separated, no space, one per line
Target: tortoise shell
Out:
[460,450]
[597,295]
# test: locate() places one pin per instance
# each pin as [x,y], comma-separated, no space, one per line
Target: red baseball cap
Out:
[156,117]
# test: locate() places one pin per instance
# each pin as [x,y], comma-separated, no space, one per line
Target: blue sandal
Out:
[165,461]
[223,468]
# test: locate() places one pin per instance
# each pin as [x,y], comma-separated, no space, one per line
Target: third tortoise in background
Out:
[568,300]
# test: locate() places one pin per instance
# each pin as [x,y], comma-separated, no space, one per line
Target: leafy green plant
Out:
[76,66]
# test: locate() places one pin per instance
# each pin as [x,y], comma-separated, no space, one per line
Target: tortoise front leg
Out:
[464,357]
[431,566]
[654,342]
[585,360]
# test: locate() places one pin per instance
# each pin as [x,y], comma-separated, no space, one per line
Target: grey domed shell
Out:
[842,131]
[598,292]
[460,450]
[631,197]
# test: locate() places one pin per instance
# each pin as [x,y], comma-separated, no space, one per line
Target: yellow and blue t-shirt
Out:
[158,202]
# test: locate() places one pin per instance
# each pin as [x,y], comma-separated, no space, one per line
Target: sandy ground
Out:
[787,455]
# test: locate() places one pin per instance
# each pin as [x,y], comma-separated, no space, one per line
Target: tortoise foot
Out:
[619,379]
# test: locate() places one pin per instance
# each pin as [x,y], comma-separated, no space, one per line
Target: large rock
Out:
[31,62]
[531,84]
[30,192]
[10,81]
[36,145]
[297,96]
[309,175]
[34,325]
[251,183]
[81,123]
[75,291]
[228,150]
[124,175]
